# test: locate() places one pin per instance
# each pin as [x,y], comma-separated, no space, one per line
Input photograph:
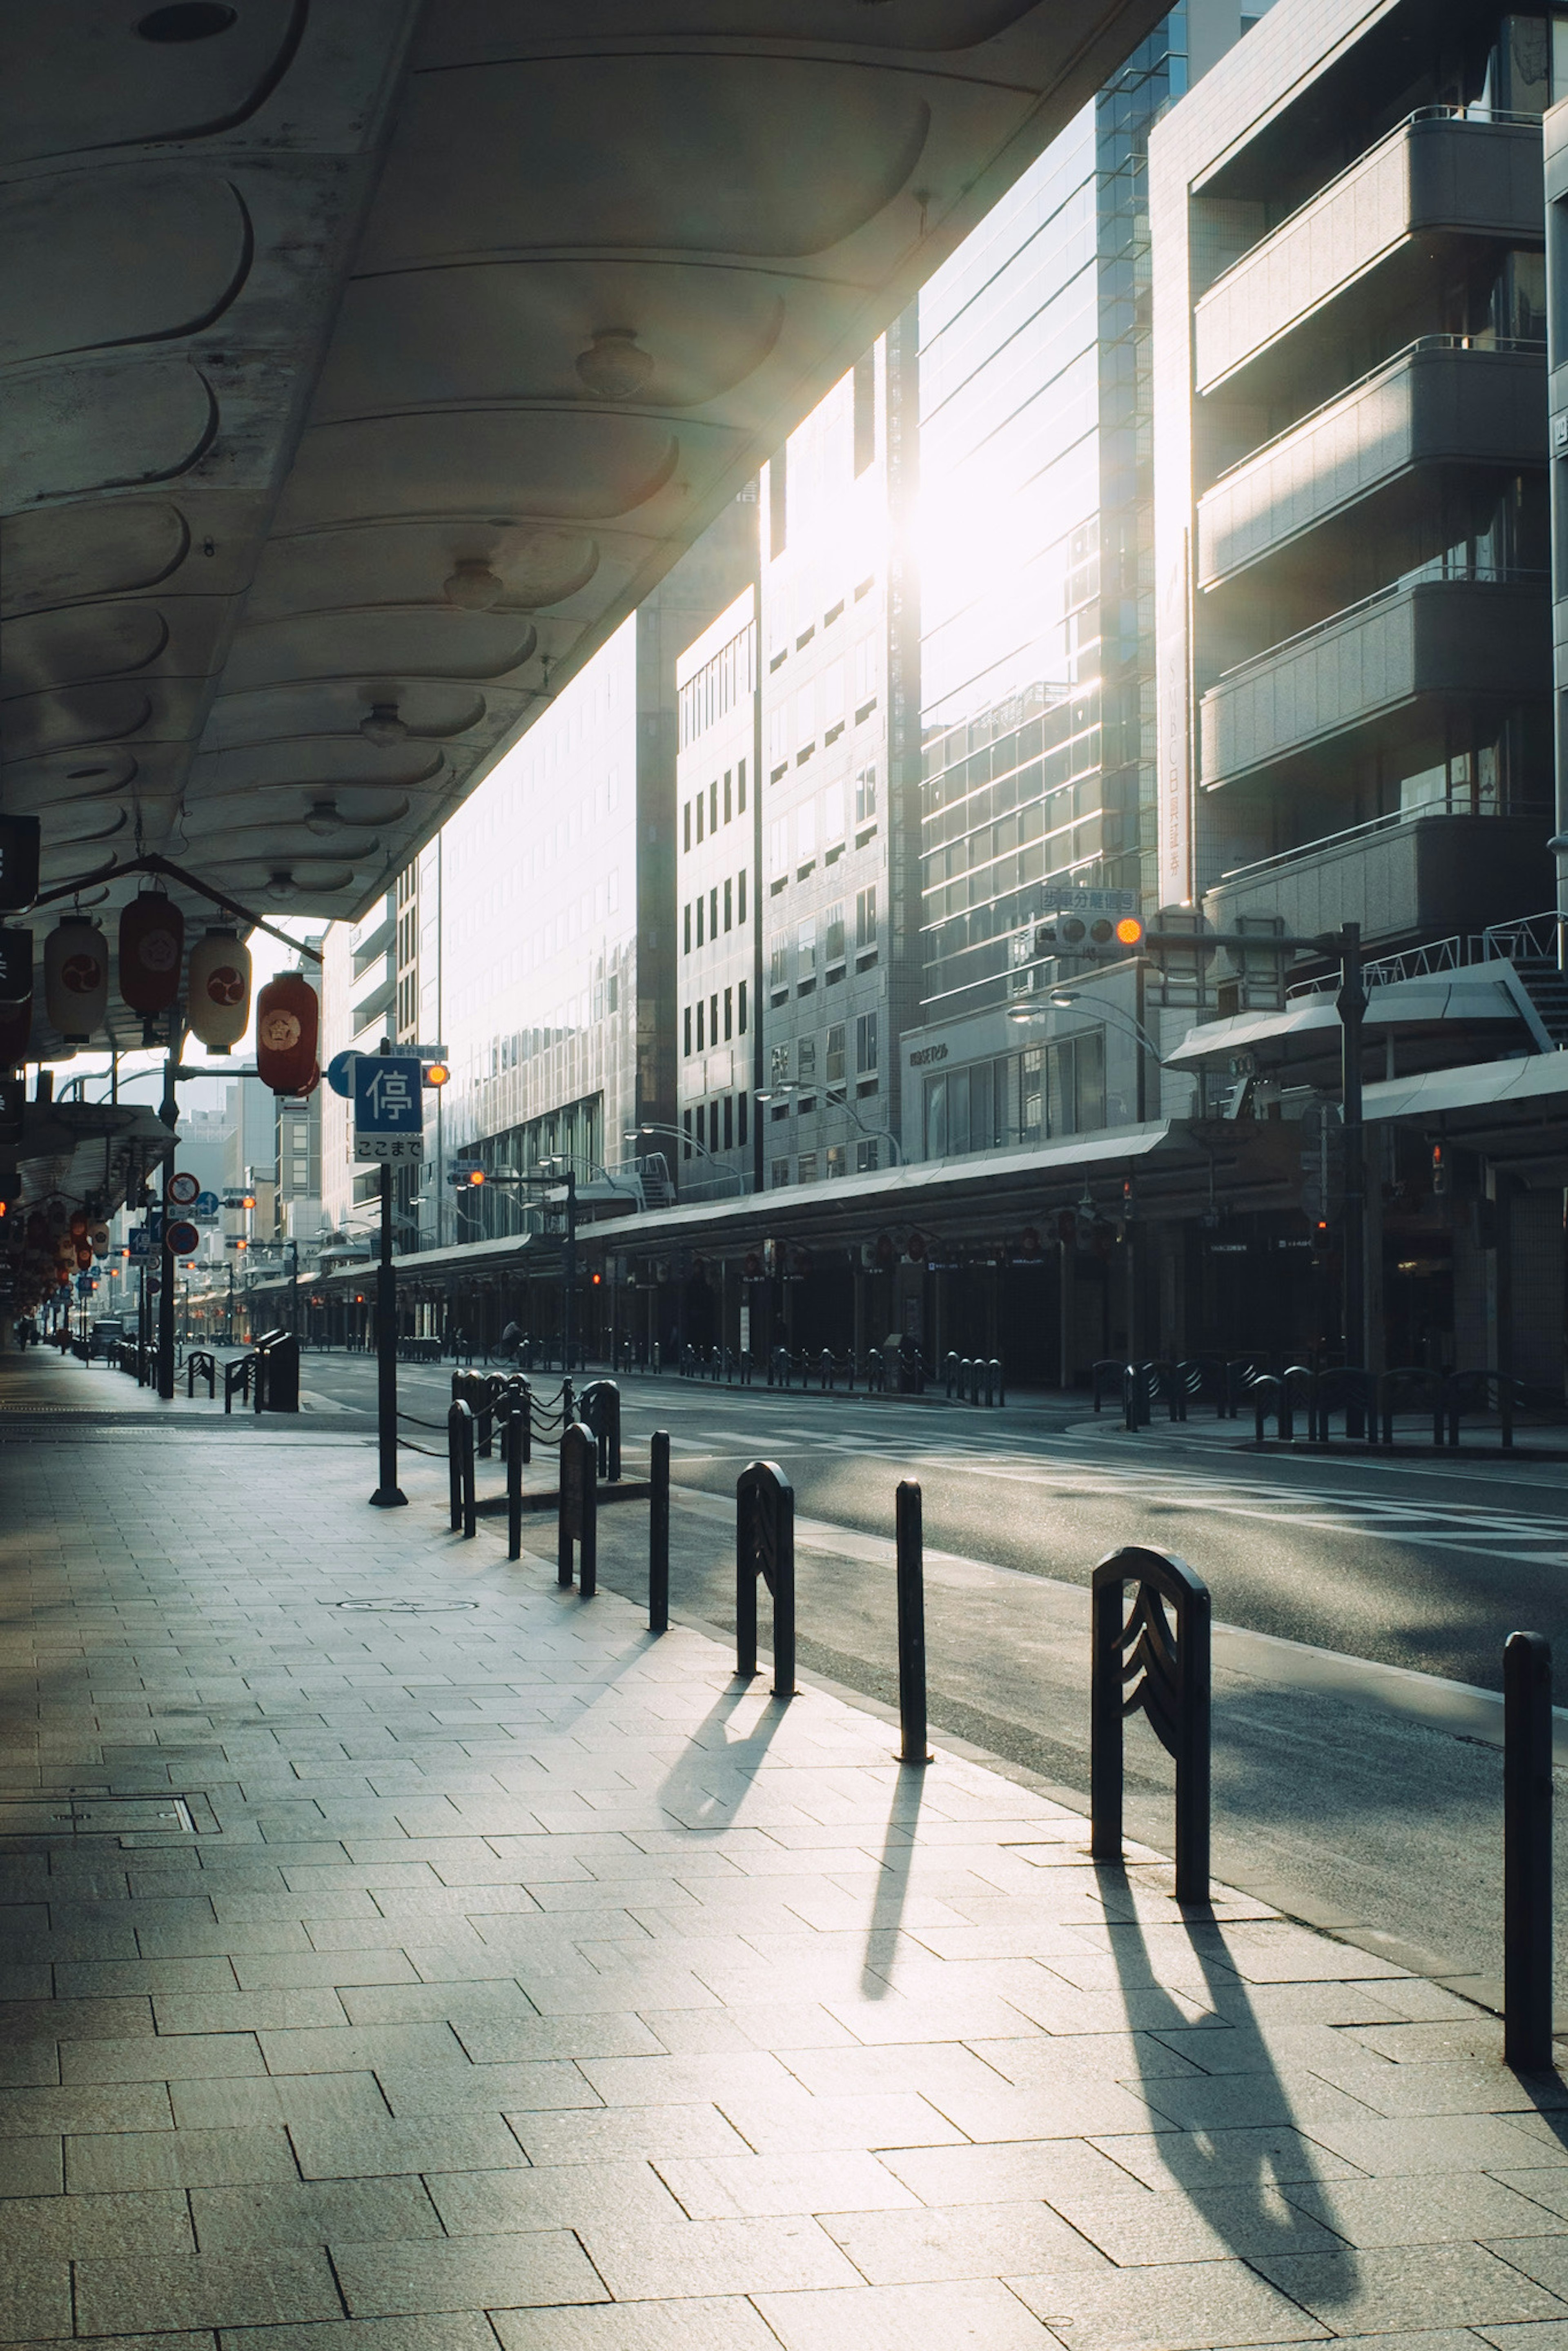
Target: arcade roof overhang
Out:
[360,355]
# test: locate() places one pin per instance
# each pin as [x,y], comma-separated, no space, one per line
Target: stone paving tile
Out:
[311,2212]
[1394,2212]
[162,2057]
[1187,2306]
[722,2322]
[978,2240]
[449,2330]
[743,2187]
[1424,2285]
[35,2297]
[981,2314]
[183,2158]
[126,2297]
[504,2272]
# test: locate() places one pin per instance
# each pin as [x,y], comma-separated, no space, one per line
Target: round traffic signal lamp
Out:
[1130,931]
[437,1073]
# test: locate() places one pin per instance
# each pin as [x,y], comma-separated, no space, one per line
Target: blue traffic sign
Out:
[139,1242]
[205,1204]
[389,1115]
[340,1073]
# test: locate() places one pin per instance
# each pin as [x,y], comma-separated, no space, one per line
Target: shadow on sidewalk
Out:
[1227,2168]
[893,1884]
[688,1791]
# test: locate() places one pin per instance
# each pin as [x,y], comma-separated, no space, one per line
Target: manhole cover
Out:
[405,1607]
[43,1815]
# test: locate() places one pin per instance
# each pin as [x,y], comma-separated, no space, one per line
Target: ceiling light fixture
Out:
[472,586]
[282,887]
[382,724]
[325,817]
[614,367]
[187,20]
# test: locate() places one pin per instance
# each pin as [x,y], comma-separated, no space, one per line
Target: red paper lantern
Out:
[152,950]
[287,1028]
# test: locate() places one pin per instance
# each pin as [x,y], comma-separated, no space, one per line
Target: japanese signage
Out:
[389,1114]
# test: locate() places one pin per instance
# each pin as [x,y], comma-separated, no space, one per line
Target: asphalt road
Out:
[1378,1814]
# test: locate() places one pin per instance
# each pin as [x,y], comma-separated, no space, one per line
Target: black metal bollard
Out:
[522,1396]
[1001,1383]
[460,1467]
[514,1452]
[578,1512]
[1527,1852]
[1141,1659]
[911,1622]
[490,1387]
[659,1533]
[765,1547]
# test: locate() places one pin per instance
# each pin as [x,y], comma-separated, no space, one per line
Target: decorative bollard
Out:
[460,1467]
[1527,1852]
[598,1408]
[765,1547]
[911,1549]
[578,1512]
[1142,1659]
[1001,1383]
[522,1407]
[514,1453]
[659,1533]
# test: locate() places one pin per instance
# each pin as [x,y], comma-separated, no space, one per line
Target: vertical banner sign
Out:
[19,862]
[388,1118]
[1175,726]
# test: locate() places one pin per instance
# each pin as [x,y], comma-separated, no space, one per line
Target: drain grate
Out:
[96,1815]
[403,1607]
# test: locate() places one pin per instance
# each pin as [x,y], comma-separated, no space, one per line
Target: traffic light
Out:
[1439,1173]
[248,1200]
[1088,934]
[436,1073]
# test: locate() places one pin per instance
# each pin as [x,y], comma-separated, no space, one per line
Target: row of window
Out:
[701,1019]
[705,806]
[826,934]
[1019,1098]
[794,1063]
[726,898]
[718,686]
[811,1166]
[819,707]
[825,820]
[721,1124]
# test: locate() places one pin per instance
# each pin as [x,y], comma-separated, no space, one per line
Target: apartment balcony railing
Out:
[1443,639]
[1442,173]
[1447,398]
[1399,877]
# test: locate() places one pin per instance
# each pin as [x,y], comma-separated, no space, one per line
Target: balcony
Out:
[1399,878]
[1356,674]
[1362,243]
[1445,399]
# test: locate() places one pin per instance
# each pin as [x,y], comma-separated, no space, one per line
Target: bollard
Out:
[1001,1383]
[514,1452]
[659,1533]
[578,1512]
[460,1467]
[522,1396]
[1139,1659]
[765,1547]
[488,1388]
[911,1622]
[1527,1852]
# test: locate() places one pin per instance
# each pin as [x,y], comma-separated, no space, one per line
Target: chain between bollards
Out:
[911,1622]
[659,1533]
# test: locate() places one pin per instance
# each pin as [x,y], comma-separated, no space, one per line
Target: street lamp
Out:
[1064,999]
[693,1141]
[838,1096]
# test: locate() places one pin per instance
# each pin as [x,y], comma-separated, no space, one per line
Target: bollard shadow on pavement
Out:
[688,1791]
[893,1883]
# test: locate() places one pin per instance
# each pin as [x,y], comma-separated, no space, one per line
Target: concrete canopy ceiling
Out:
[307,304]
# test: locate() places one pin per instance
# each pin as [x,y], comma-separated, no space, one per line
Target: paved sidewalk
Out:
[524,1980]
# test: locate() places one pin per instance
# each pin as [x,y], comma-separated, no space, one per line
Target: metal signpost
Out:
[389,1127]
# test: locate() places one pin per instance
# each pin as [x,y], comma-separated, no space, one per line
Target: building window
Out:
[686,1145]
[777,846]
[833,1067]
[805,1167]
[699,816]
[729,773]
[687,1047]
[713,1019]
[713,806]
[729,1012]
[865,1044]
[832,815]
[686,927]
[865,1159]
[778,961]
[779,1174]
[806,1059]
[866,919]
[686,826]
[729,1121]
[806,833]
[866,796]
[740,896]
[740,789]
[700,904]
[740,1120]
[837,1162]
[712,1127]
[806,950]
[712,912]
[699,1024]
[778,498]
[740,1008]
[729,906]
[864,412]
[833,935]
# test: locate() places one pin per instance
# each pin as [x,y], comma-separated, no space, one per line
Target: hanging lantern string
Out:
[152,863]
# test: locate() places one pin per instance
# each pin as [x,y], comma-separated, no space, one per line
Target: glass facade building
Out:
[1037,648]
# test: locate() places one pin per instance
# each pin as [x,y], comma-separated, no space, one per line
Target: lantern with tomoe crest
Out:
[152,949]
[217,994]
[76,978]
[287,1028]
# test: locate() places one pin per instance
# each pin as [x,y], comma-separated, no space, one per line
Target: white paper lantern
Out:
[76,978]
[217,993]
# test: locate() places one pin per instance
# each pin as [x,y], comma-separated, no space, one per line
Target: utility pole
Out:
[389,1495]
[569,1317]
[168,1112]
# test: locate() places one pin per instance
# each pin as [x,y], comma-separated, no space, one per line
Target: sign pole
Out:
[168,1112]
[389,1495]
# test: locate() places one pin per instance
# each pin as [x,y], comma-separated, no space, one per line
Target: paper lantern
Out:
[76,978]
[217,994]
[152,949]
[288,1027]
